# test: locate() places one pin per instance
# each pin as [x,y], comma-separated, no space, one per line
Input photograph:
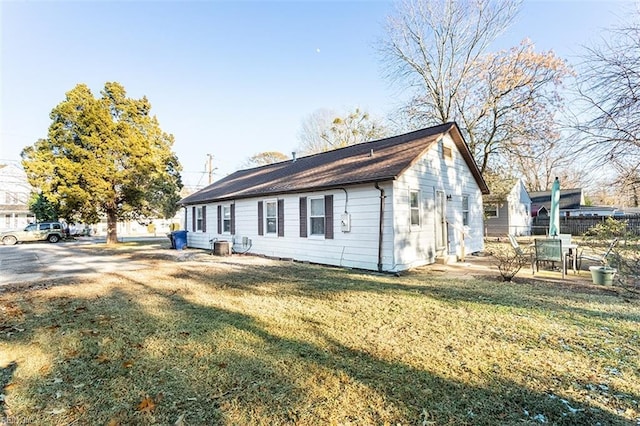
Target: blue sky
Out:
[229,79]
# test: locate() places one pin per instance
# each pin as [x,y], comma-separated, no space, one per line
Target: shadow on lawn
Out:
[223,367]
[327,282]
[6,374]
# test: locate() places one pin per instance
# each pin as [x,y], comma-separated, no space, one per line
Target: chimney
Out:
[371,153]
[293,155]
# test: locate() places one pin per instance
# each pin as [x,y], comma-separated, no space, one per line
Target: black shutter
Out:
[193,219]
[280,218]
[233,219]
[328,217]
[303,217]
[204,218]
[260,219]
[219,219]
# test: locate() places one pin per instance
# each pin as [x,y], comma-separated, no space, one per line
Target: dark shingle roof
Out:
[569,198]
[345,166]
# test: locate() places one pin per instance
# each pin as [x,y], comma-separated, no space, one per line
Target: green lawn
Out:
[287,343]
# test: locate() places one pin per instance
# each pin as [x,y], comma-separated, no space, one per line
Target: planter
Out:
[602,275]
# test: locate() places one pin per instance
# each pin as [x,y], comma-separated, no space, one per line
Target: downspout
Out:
[381,226]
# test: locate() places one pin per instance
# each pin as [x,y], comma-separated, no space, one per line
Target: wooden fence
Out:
[579,225]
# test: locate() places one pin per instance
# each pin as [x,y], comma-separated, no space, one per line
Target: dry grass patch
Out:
[213,342]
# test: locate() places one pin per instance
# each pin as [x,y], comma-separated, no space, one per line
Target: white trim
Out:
[311,216]
[226,208]
[418,207]
[199,218]
[273,201]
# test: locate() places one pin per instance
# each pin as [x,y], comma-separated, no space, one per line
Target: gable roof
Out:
[500,190]
[369,162]
[569,198]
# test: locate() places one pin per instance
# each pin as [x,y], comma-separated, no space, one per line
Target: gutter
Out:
[380,226]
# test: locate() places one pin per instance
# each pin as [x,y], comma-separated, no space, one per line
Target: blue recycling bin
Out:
[179,240]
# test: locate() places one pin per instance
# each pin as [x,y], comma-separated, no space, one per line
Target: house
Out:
[387,205]
[572,204]
[570,200]
[14,197]
[508,209]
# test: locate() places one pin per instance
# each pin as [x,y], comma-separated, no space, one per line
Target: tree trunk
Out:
[112,230]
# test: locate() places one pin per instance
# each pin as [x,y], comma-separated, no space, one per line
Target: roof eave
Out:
[285,192]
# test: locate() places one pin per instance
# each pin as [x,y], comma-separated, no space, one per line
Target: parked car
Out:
[43,231]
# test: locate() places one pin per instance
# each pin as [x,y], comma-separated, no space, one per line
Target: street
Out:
[29,262]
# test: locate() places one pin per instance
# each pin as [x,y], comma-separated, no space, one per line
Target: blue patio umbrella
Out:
[554,211]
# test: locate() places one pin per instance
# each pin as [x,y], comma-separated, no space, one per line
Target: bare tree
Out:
[322,132]
[264,158]
[508,109]
[543,163]
[312,128]
[504,101]
[607,118]
[432,47]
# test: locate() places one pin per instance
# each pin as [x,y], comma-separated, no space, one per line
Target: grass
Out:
[217,342]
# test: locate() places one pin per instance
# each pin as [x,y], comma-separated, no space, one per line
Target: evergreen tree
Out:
[105,156]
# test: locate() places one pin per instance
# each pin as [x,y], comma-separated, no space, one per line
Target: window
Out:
[45,226]
[226,219]
[316,218]
[414,206]
[465,210]
[199,219]
[491,210]
[272,217]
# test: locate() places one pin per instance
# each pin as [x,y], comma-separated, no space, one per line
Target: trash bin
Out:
[179,239]
[173,243]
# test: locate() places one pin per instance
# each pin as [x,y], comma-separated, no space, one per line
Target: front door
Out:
[441,222]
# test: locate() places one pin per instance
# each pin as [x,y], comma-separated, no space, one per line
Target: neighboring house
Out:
[386,205]
[571,204]
[14,210]
[14,198]
[508,209]
[571,200]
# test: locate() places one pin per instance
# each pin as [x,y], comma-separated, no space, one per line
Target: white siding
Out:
[403,246]
[431,173]
[357,248]
[519,210]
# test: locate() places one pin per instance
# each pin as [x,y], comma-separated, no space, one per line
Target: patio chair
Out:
[601,259]
[515,245]
[519,251]
[548,250]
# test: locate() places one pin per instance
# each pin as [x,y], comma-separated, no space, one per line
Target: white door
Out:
[441,222]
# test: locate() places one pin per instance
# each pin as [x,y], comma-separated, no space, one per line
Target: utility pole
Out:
[210,168]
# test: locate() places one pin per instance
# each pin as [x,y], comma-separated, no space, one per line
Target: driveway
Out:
[29,262]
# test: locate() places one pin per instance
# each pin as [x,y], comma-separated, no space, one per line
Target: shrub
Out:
[507,260]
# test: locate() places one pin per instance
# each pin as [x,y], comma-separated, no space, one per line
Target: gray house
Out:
[571,200]
[386,205]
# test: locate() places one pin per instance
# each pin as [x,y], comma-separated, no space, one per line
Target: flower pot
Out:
[602,275]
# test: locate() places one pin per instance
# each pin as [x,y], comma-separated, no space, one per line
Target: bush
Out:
[507,260]
[625,256]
